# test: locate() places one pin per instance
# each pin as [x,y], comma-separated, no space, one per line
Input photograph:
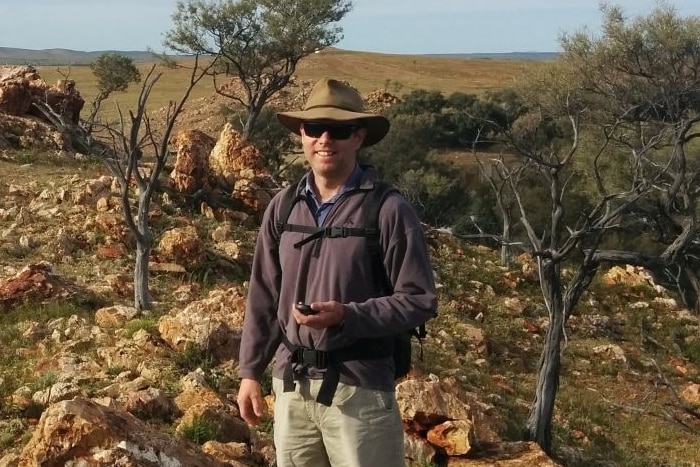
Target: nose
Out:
[325,136]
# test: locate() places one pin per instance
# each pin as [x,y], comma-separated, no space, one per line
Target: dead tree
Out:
[136,158]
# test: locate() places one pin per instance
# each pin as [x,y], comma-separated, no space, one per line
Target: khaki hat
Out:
[332,100]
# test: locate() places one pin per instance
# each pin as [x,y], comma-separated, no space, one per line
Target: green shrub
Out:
[199,432]
[45,380]
[193,357]
[10,431]
[150,325]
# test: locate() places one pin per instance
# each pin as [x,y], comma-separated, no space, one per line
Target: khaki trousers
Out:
[362,428]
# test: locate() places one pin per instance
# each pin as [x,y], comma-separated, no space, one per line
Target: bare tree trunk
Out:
[142,298]
[144,244]
[539,422]
[505,250]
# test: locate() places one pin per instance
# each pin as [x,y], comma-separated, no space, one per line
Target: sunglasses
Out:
[334,130]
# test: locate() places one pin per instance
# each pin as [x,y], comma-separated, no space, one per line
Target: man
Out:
[333,406]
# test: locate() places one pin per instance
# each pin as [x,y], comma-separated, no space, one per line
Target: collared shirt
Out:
[320,210]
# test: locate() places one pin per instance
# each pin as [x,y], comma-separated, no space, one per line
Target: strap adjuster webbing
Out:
[332,360]
[310,357]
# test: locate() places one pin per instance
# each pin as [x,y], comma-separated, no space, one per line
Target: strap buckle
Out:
[310,357]
[336,231]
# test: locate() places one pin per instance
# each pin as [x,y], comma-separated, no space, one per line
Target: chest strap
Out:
[328,232]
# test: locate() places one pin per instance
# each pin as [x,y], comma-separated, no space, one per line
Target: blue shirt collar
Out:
[353,181]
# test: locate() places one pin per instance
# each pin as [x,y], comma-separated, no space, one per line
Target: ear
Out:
[360,134]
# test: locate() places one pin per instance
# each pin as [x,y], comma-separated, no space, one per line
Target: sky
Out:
[389,26]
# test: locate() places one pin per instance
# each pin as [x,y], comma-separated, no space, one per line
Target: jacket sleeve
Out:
[262,334]
[407,263]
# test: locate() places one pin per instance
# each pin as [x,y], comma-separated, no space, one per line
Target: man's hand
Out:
[329,314]
[250,401]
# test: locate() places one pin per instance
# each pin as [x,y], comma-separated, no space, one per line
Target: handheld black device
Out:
[305,309]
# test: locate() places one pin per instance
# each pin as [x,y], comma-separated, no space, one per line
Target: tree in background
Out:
[114,73]
[402,158]
[650,67]
[633,95]
[503,179]
[547,138]
[259,42]
[425,122]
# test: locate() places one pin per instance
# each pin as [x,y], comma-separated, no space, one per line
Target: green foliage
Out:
[45,380]
[47,312]
[193,357]
[479,214]
[392,86]
[419,102]
[258,41]
[267,426]
[150,325]
[684,335]
[11,431]
[114,73]
[425,121]
[471,122]
[405,147]
[199,431]
[28,156]
[15,251]
[221,380]
[461,120]
[437,197]
[266,382]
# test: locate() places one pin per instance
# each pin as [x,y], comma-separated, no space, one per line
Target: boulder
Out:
[191,170]
[87,433]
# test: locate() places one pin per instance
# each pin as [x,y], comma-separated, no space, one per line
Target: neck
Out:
[327,188]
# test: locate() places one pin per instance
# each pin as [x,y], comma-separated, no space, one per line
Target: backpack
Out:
[371,205]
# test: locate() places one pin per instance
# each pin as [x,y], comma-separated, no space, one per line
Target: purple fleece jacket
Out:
[336,269]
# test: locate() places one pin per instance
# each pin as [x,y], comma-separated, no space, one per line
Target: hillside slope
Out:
[630,361]
[631,354]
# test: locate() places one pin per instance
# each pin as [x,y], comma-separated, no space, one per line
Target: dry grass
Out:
[371,71]
[399,74]
[171,86]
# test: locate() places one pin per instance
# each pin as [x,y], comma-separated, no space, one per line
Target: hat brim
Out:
[377,126]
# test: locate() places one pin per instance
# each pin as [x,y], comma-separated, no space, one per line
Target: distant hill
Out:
[13,56]
[520,56]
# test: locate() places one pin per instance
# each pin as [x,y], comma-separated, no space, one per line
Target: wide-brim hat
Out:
[330,99]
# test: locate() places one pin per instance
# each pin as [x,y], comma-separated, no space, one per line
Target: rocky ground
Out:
[85,377]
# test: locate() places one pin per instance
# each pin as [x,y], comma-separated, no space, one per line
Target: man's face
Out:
[331,147]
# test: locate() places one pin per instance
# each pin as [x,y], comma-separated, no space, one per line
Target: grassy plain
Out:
[398,74]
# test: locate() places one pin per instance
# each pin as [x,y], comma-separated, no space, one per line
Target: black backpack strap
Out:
[290,196]
[371,206]
[332,361]
[324,232]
